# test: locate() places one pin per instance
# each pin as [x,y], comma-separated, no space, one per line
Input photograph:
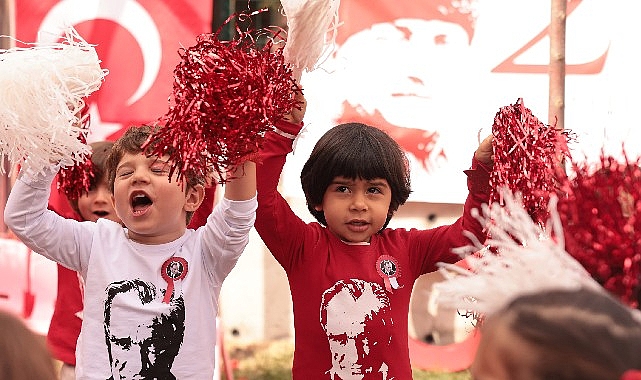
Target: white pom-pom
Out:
[312,31]
[527,259]
[42,91]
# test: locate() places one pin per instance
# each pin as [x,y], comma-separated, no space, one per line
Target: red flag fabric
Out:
[138,43]
[363,14]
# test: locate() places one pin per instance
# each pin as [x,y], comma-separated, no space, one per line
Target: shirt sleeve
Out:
[226,233]
[280,228]
[42,230]
[436,244]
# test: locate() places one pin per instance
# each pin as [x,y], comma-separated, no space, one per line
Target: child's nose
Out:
[140,176]
[102,195]
[358,202]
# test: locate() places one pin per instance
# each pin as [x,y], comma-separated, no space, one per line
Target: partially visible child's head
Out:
[96,203]
[23,355]
[561,335]
[355,151]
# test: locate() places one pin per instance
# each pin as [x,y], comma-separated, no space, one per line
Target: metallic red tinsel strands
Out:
[226,95]
[74,181]
[526,154]
[600,216]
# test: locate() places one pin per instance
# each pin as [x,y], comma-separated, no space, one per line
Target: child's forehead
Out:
[130,157]
[344,179]
[103,182]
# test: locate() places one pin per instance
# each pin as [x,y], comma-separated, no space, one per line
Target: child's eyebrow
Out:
[342,181]
[122,163]
[161,161]
[378,182]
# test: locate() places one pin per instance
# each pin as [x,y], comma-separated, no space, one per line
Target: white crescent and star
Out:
[127,13]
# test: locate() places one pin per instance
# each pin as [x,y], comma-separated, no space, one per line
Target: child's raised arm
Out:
[484,152]
[298,113]
[242,185]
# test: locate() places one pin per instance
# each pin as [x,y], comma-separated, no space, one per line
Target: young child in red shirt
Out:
[350,277]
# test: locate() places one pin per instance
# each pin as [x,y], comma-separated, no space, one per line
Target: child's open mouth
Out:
[101,213]
[140,202]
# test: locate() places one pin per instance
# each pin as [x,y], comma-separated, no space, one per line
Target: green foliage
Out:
[425,375]
[274,362]
[268,362]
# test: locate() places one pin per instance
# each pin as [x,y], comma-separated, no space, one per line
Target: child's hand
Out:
[297,115]
[484,152]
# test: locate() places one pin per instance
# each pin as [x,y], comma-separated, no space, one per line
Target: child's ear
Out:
[318,208]
[194,197]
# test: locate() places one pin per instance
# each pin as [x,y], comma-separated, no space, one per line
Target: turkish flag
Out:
[137,41]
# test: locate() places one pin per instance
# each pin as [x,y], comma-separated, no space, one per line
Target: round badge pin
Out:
[173,269]
[387,267]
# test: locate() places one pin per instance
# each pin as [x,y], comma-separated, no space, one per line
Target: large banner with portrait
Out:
[434,74]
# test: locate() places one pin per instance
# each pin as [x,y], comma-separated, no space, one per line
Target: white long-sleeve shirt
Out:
[103,254]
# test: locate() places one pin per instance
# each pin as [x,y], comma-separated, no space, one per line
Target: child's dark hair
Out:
[131,142]
[355,150]
[99,153]
[579,334]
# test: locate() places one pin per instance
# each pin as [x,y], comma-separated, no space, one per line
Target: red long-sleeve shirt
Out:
[347,321]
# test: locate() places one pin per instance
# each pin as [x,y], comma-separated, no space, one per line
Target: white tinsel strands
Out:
[43,88]
[520,257]
[311,31]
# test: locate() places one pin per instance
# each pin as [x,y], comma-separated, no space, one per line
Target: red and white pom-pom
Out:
[600,211]
[311,33]
[226,95]
[520,257]
[527,156]
[42,91]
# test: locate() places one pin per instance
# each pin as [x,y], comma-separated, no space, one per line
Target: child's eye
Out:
[160,169]
[342,189]
[124,173]
[374,190]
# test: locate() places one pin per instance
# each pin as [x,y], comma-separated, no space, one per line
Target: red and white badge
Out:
[174,269]
[389,270]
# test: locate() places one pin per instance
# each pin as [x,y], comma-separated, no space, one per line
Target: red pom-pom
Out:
[526,156]
[599,211]
[226,95]
[74,181]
